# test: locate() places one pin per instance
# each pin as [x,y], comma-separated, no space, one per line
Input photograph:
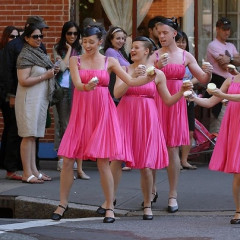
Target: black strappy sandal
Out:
[109,219]
[56,216]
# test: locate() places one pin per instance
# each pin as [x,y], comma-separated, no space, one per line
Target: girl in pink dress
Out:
[225,157]
[172,61]
[144,144]
[93,131]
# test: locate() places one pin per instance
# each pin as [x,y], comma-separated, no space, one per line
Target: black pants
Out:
[10,158]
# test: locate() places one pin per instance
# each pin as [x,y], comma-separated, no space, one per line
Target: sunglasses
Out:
[37,36]
[13,36]
[72,33]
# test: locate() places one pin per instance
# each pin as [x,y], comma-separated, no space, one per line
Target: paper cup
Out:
[185,82]
[211,86]
[165,55]
[187,93]
[206,63]
[231,66]
[150,70]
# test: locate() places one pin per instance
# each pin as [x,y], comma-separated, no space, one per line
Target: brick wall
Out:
[166,8]
[55,13]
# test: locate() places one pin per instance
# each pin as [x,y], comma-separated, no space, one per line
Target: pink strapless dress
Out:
[93,131]
[144,143]
[226,157]
[174,118]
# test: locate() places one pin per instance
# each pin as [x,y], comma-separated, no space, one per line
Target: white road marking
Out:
[42,223]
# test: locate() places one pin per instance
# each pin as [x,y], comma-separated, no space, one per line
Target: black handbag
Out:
[57,93]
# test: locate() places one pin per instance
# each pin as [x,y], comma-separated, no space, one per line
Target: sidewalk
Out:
[201,192]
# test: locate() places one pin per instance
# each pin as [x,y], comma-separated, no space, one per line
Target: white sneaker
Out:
[75,166]
[60,164]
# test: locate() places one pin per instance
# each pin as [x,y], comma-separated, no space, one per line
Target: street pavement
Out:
[204,198]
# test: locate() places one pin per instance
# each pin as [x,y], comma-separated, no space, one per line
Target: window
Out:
[208,13]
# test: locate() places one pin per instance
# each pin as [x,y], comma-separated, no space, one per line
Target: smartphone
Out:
[57,63]
[94,80]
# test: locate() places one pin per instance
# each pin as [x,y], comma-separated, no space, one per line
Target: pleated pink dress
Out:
[144,143]
[93,130]
[226,154]
[174,119]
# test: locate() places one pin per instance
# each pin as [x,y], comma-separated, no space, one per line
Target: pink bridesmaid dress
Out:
[174,118]
[93,131]
[144,143]
[226,157]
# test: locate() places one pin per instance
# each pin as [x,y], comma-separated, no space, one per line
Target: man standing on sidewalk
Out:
[220,53]
[10,145]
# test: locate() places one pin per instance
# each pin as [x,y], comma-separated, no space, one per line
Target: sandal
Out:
[13,176]
[235,220]
[147,216]
[109,219]
[57,216]
[44,177]
[83,176]
[32,180]
[189,167]
[172,208]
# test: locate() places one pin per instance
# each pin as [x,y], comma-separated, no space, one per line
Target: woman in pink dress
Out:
[172,61]
[93,131]
[144,143]
[226,157]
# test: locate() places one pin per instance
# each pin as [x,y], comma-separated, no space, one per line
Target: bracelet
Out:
[84,87]
[40,78]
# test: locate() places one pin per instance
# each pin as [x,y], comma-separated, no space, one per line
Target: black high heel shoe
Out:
[235,220]
[172,209]
[102,211]
[154,199]
[56,216]
[109,219]
[147,216]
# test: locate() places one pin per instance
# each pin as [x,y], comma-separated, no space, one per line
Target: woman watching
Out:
[35,77]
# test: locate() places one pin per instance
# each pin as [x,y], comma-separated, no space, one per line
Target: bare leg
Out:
[107,184]
[154,188]
[80,172]
[116,169]
[79,165]
[173,170]
[33,158]
[66,181]
[185,152]
[26,149]
[236,194]
[147,185]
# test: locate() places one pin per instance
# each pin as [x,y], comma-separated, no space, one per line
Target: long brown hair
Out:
[6,34]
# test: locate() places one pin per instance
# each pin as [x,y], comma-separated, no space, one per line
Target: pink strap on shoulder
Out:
[184,56]
[78,63]
[157,55]
[106,64]
[157,59]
